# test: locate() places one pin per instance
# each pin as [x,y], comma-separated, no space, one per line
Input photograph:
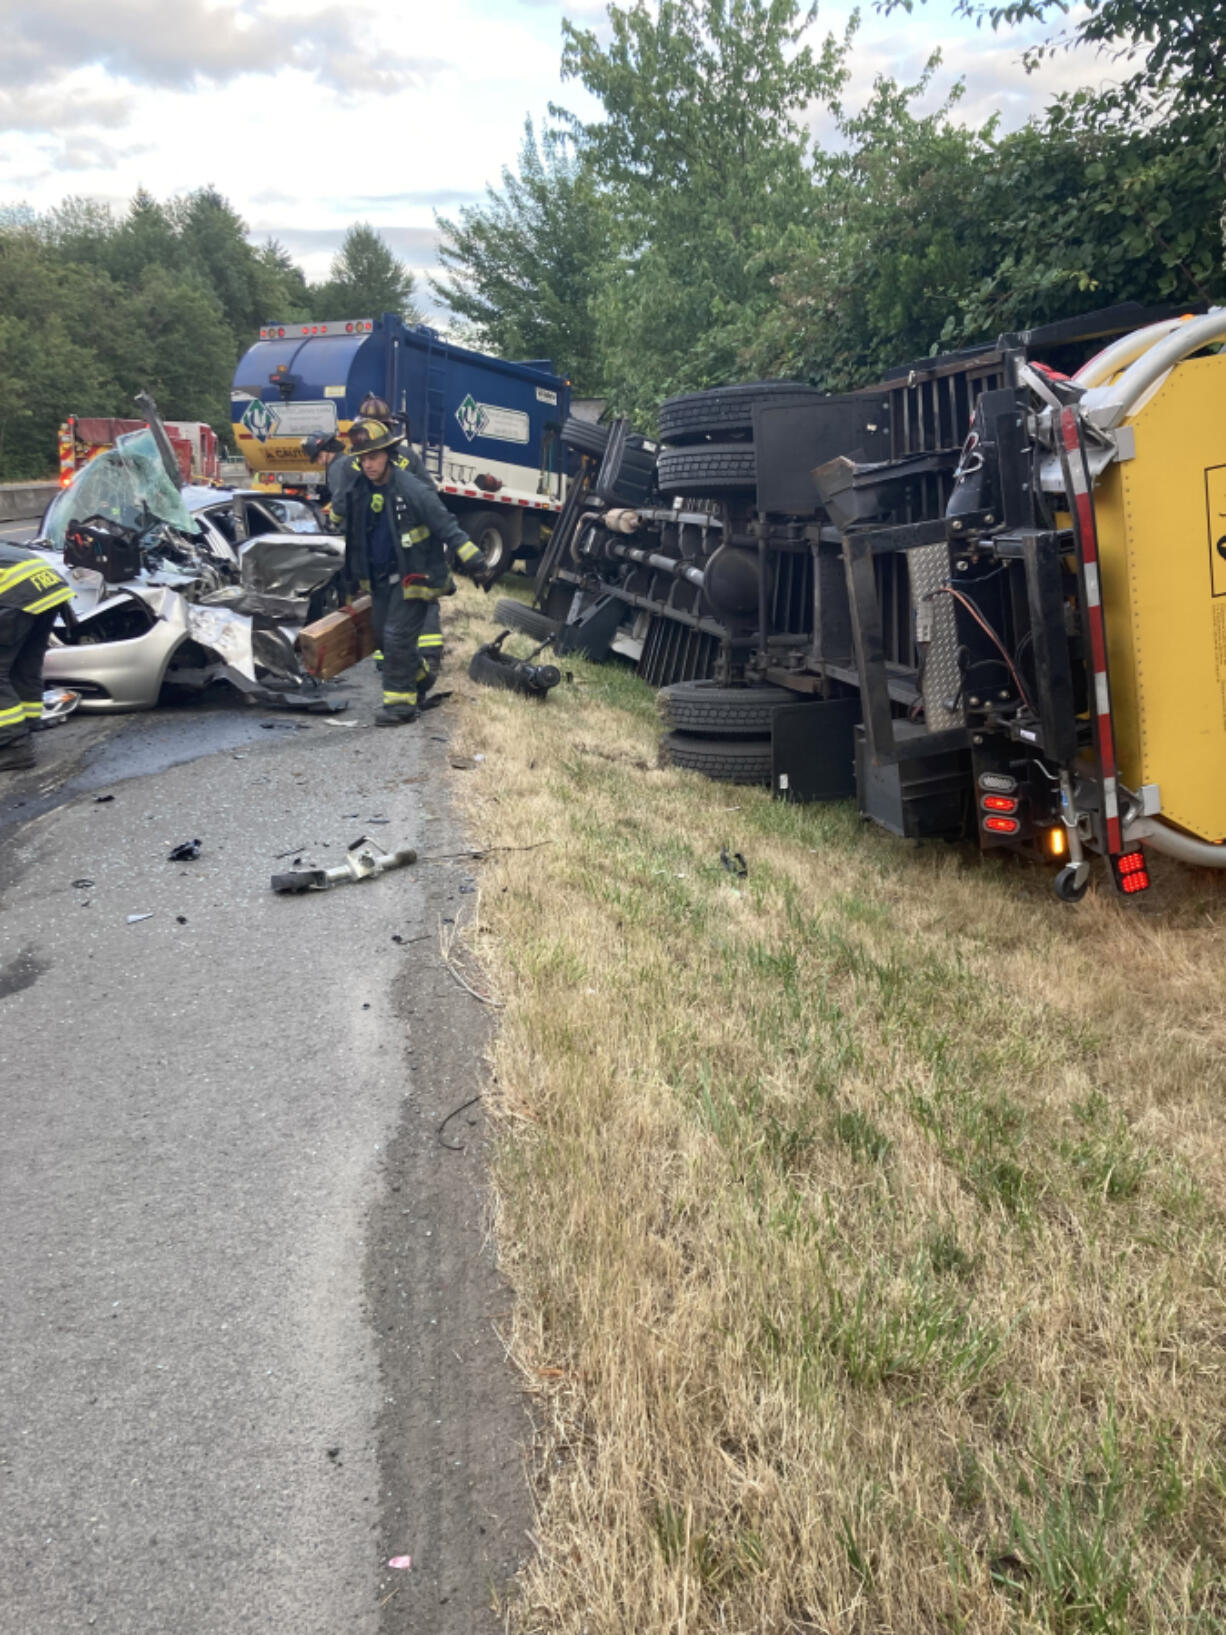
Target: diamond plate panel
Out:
[929,569]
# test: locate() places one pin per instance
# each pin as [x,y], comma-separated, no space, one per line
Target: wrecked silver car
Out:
[178,590]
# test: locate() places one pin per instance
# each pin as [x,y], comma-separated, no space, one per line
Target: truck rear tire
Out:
[729,760]
[585,435]
[724,411]
[530,621]
[493,534]
[708,469]
[707,708]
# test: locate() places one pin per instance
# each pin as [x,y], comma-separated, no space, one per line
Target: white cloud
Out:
[308,121]
[147,43]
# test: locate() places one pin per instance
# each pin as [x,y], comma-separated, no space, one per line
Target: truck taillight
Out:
[1131,874]
[999,803]
[1001,825]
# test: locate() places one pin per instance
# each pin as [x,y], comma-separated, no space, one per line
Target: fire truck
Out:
[194,443]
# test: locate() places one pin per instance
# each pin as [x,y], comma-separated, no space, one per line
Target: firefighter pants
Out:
[410,634]
[23,641]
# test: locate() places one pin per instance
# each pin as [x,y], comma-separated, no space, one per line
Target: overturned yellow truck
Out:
[986,595]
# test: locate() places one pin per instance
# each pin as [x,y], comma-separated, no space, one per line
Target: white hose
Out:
[1099,370]
[1106,406]
[1204,854]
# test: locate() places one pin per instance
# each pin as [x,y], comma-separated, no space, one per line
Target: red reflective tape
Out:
[523,502]
[1085,516]
[1087,544]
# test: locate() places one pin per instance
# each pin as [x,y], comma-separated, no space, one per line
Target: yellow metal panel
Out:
[1162,547]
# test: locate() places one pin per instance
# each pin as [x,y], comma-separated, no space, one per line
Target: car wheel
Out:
[723,712]
[529,620]
[729,760]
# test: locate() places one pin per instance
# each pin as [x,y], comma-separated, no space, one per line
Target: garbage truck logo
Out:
[472,417]
[259,420]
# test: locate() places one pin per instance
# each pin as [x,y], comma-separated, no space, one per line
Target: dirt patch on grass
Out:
[864,1213]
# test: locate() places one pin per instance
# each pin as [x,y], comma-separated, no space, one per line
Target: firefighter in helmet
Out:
[30,593]
[343,470]
[407,457]
[397,536]
[325,449]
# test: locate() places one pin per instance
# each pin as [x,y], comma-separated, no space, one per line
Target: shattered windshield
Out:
[127,484]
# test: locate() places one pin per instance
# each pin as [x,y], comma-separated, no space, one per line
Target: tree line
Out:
[696,233]
[96,306]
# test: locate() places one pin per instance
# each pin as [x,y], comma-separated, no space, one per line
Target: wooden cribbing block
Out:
[337,641]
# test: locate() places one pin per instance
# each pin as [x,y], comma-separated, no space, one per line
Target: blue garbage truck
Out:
[488,430]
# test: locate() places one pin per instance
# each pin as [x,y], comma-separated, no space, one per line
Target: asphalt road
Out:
[250,1321]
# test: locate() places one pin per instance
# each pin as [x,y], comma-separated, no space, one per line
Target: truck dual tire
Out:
[492,533]
[729,760]
[708,469]
[529,621]
[724,411]
[705,707]
[585,436]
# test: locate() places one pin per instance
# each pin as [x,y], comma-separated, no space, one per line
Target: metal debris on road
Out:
[364,859]
[135,919]
[185,853]
[101,800]
[82,885]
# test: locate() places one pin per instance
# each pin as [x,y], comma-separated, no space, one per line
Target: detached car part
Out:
[494,668]
[363,861]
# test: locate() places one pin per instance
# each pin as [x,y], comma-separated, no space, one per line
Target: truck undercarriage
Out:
[923,593]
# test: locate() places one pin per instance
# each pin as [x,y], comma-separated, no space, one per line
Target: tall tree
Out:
[365,279]
[702,147]
[931,235]
[522,268]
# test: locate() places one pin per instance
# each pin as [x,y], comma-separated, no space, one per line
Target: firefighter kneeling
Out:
[397,534]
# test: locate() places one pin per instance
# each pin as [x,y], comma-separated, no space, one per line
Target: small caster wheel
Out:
[1072,882]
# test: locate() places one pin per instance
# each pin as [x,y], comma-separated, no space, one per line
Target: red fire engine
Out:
[194,443]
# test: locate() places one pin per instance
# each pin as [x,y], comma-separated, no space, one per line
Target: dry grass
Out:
[864,1215]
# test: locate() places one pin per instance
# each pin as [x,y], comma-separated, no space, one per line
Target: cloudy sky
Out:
[310,116]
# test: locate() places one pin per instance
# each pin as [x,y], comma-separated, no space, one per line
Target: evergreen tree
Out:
[365,280]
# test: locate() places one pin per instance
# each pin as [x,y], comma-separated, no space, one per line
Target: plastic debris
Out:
[134,919]
[82,885]
[101,800]
[401,1563]
[186,852]
[734,862]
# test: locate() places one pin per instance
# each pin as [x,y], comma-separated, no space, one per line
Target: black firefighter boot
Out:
[17,754]
[396,715]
